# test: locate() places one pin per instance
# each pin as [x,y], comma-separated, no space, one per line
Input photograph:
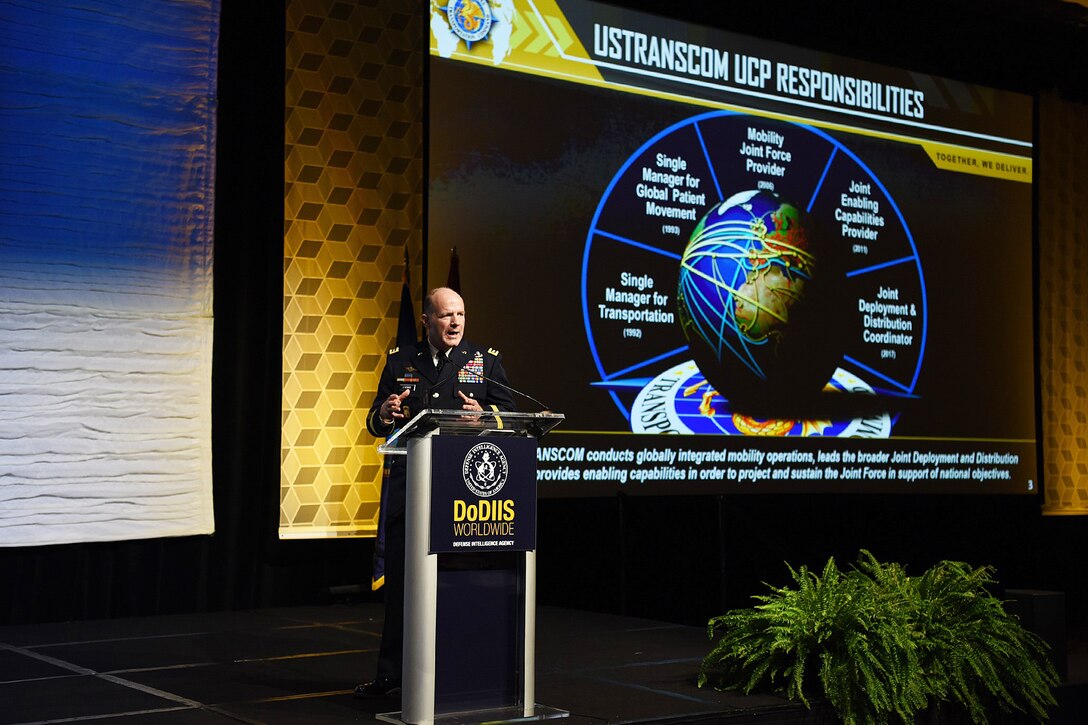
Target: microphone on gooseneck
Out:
[543,408]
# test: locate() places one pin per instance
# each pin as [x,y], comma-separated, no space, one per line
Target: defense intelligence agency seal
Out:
[485,469]
[469,19]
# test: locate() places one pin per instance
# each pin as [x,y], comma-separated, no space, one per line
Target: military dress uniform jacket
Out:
[411,368]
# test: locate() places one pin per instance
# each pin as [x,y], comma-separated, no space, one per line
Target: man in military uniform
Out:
[441,371]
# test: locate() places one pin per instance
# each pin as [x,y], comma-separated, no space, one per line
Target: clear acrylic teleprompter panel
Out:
[470,423]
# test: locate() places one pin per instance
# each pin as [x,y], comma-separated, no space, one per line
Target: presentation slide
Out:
[735,266]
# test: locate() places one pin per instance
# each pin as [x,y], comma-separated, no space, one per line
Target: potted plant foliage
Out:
[882,646]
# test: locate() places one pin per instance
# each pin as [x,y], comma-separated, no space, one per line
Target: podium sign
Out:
[483,494]
[470,567]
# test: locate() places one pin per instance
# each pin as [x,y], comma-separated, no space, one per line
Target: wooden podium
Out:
[470,567]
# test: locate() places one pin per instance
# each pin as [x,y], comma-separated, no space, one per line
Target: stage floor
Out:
[299,665]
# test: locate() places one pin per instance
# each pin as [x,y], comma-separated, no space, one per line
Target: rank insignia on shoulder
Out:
[394,351]
[492,351]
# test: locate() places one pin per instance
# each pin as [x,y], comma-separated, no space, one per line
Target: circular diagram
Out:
[874,333]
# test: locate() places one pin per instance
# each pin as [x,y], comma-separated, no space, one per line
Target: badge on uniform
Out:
[408,382]
[471,371]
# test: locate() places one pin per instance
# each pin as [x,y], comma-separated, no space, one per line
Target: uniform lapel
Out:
[424,363]
[455,361]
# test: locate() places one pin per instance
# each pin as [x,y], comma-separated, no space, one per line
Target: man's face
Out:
[446,323]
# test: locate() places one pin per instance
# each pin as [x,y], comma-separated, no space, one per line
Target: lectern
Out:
[470,567]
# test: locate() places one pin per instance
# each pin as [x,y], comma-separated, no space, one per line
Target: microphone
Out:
[543,408]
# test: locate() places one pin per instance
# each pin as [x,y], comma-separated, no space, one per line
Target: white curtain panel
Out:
[107,150]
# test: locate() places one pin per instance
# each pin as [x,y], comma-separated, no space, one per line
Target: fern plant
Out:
[882,646]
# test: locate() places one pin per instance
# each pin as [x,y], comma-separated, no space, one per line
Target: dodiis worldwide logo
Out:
[485,471]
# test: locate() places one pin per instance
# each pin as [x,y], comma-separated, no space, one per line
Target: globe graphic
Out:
[755,302]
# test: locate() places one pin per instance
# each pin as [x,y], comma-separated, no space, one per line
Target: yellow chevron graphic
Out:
[539,41]
[523,31]
[563,34]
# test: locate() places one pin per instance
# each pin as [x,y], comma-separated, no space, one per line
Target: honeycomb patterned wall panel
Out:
[352,207]
[1063,303]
